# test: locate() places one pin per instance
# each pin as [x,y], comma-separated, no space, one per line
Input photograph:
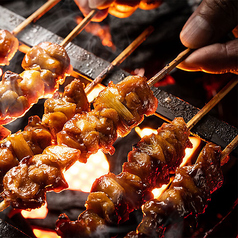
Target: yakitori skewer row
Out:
[149,164]
[61,108]
[118,108]
[46,66]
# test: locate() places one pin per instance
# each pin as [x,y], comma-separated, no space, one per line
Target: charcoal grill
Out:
[89,66]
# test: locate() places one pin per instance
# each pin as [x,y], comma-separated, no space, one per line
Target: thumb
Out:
[212,20]
[216,58]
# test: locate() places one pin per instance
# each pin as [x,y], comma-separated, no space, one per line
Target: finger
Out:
[123,8]
[211,20]
[100,4]
[86,9]
[216,58]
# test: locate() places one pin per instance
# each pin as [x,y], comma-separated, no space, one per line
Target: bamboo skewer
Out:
[229,148]
[120,58]
[223,92]
[78,28]
[3,205]
[169,67]
[35,16]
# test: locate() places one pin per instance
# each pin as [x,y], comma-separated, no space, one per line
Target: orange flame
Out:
[189,151]
[45,234]
[145,131]
[94,93]
[158,191]
[81,176]
[39,213]
[102,32]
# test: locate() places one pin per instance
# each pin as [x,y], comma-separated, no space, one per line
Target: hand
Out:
[211,21]
[118,8]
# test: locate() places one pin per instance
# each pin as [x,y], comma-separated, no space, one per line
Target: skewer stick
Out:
[216,99]
[231,146]
[78,28]
[169,67]
[3,205]
[223,92]
[120,58]
[35,16]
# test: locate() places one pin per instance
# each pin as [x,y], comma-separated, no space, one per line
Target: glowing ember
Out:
[45,234]
[189,151]
[158,191]
[94,93]
[0,72]
[81,176]
[40,213]
[145,131]
[103,32]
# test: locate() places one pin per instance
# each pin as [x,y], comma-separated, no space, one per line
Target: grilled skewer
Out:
[98,129]
[188,194]
[39,58]
[38,135]
[46,65]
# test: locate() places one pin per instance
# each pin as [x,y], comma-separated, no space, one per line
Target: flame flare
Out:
[81,176]
[103,32]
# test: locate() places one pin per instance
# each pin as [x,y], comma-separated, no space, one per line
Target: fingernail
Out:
[198,32]
[95,3]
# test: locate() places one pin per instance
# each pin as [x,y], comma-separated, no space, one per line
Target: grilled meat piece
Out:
[60,108]
[32,140]
[25,185]
[89,224]
[8,46]
[132,99]
[18,93]
[90,132]
[51,60]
